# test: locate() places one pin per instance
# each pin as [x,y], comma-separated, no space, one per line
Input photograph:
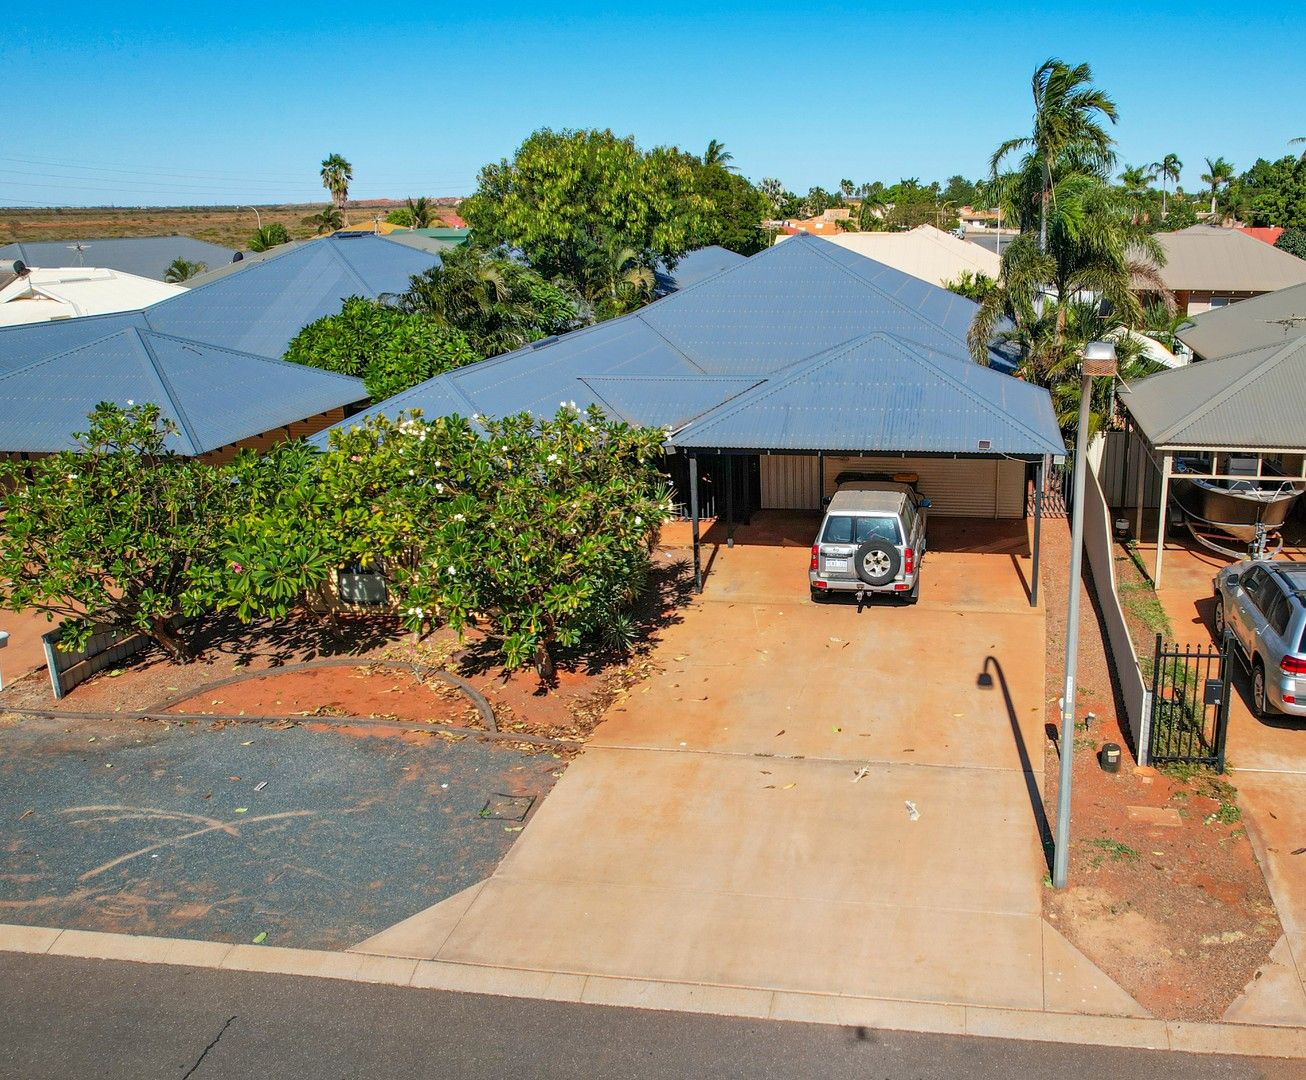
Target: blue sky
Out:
[198,103]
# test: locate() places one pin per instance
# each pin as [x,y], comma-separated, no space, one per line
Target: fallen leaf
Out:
[1300,851]
[789,785]
[260,937]
[512,828]
[241,810]
[779,733]
[250,743]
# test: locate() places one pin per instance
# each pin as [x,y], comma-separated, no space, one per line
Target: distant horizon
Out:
[238,106]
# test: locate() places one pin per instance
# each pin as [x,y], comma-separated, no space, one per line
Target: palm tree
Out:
[421,210]
[268,237]
[774,191]
[336,174]
[1167,170]
[717,154]
[328,221]
[1067,130]
[1136,180]
[180,270]
[1218,174]
[1298,142]
[623,283]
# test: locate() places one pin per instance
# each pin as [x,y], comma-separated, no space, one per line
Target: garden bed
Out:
[1165,892]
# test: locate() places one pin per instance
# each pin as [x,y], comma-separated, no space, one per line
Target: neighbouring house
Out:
[978,220]
[823,224]
[231,318]
[1270,319]
[1243,415]
[775,375]
[1266,234]
[1211,267]
[695,266]
[924,252]
[453,235]
[30,295]
[144,256]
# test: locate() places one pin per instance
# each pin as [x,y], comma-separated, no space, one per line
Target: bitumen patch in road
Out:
[316,838]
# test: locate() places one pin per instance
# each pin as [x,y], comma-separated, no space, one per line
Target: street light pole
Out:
[257,216]
[1099,360]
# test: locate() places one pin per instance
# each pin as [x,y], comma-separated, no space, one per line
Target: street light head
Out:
[1100,358]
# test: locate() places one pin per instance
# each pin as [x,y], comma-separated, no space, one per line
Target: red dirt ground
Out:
[1178,914]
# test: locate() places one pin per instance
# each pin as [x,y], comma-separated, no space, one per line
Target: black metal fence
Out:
[1190,704]
[1057,491]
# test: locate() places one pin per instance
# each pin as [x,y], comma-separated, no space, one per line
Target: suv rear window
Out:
[846,529]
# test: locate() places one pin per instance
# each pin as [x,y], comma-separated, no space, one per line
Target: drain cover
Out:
[500,807]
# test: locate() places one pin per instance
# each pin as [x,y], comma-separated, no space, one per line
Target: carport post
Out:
[1040,478]
[693,521]
[1167,463]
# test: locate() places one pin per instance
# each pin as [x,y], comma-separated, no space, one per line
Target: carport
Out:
[1242,417]
[879,404]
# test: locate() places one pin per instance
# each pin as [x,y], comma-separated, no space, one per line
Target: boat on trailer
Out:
[1235,516]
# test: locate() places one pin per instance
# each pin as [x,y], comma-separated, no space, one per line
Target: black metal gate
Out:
[1190,704]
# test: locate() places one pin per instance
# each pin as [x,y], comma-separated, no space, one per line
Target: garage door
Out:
[964,487]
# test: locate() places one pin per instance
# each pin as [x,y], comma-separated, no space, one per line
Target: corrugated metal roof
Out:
[881,393]
[145,256]
[765,317]
[257,308]
[1207,258]
[695,266]
[1270,319]
[216,396]
[1251,400]
[923,252]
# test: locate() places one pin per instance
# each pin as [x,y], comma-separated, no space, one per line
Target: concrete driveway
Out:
[808,798]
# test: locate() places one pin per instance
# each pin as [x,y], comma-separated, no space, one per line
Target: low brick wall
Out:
[70,668]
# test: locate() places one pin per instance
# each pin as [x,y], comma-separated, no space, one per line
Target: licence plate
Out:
[837,564]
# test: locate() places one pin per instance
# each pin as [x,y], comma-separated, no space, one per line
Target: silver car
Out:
[871,541]
[1262,603]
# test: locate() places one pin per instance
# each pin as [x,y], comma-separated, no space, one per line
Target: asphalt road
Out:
[65,1018]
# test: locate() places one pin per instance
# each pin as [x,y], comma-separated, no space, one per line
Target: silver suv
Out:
[1262,603]
[871,541]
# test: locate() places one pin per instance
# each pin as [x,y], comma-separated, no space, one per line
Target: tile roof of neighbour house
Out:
[772,345]
[453,235]
[144,256]
[924,252]
[49,399]
[254,306]
[41,295]
[1254,400]
[693,266]
[1207,258]
[1268,234]
[1269,319]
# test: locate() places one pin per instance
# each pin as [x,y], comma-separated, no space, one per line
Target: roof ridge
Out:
[168,391]
[889,296]
[797,371]
[276,360]
[349,268]
[49,357]
[1237,386]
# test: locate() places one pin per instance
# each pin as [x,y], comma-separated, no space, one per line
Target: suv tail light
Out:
[1292,665]
[908,560]
[816,557]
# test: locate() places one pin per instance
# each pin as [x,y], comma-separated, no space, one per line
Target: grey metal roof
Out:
[1207,258]
[256,309]
[216,396]
[882,393]
[146,256]
[1249,401]
[695,266]
[1269,319]
[705,350]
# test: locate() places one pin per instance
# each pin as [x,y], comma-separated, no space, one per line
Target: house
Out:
[1248,405]
[979,220]
[775,375]
[1268,234]
[823,224]
[924,252]
[238,319]
[454,236]
[40,295]
[1210,267]
[144,256]
[1269,319]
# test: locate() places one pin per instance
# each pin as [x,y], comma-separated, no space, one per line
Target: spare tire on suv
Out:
[877,561]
